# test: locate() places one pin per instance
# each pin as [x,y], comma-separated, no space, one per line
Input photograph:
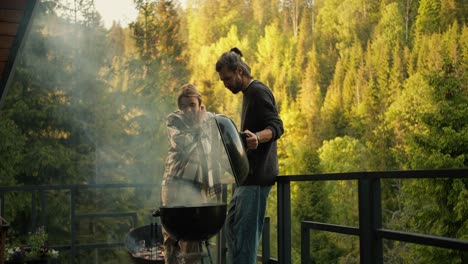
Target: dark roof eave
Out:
[15,50]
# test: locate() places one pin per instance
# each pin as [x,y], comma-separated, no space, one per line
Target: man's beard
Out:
[236,89]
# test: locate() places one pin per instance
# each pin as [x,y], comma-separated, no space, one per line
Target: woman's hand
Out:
[199,117]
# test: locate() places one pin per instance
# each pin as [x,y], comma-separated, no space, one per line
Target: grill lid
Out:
[234,147]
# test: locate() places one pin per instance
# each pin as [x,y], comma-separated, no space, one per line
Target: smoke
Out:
[101,128]
[108,116]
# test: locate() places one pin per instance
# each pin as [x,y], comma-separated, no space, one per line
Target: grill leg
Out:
[174,253]
[207,244]
[200,246]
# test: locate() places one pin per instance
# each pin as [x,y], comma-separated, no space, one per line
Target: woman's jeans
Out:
[244,223]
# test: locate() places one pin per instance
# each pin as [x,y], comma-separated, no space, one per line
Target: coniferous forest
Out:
[361,85]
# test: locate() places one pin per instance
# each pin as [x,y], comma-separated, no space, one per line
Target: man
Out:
[262,126]
[192,166]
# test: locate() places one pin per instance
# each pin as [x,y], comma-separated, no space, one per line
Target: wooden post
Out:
[3,233]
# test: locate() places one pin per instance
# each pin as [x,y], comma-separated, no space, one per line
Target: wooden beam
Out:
[13,16]
[8,29]
[4,54]
[6,42]
[15,4]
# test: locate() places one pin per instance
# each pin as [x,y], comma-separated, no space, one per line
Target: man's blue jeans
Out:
[244,223]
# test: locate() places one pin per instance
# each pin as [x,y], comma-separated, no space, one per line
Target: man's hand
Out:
[251,140]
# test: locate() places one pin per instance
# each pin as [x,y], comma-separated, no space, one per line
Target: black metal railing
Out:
[75,218]
[369,232]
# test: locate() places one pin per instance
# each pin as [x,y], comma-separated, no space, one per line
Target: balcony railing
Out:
[38,193]
[369,231]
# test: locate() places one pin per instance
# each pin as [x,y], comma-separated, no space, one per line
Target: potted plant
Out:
[34,251]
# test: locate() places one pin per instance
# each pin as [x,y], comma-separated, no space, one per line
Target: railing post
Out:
[266,254]
[73,224]
[370,219]
[2,204]
[305,244]
[43,209]
[284,220]
[33,211]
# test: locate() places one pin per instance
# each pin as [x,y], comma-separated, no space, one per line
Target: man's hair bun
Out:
[237,51]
